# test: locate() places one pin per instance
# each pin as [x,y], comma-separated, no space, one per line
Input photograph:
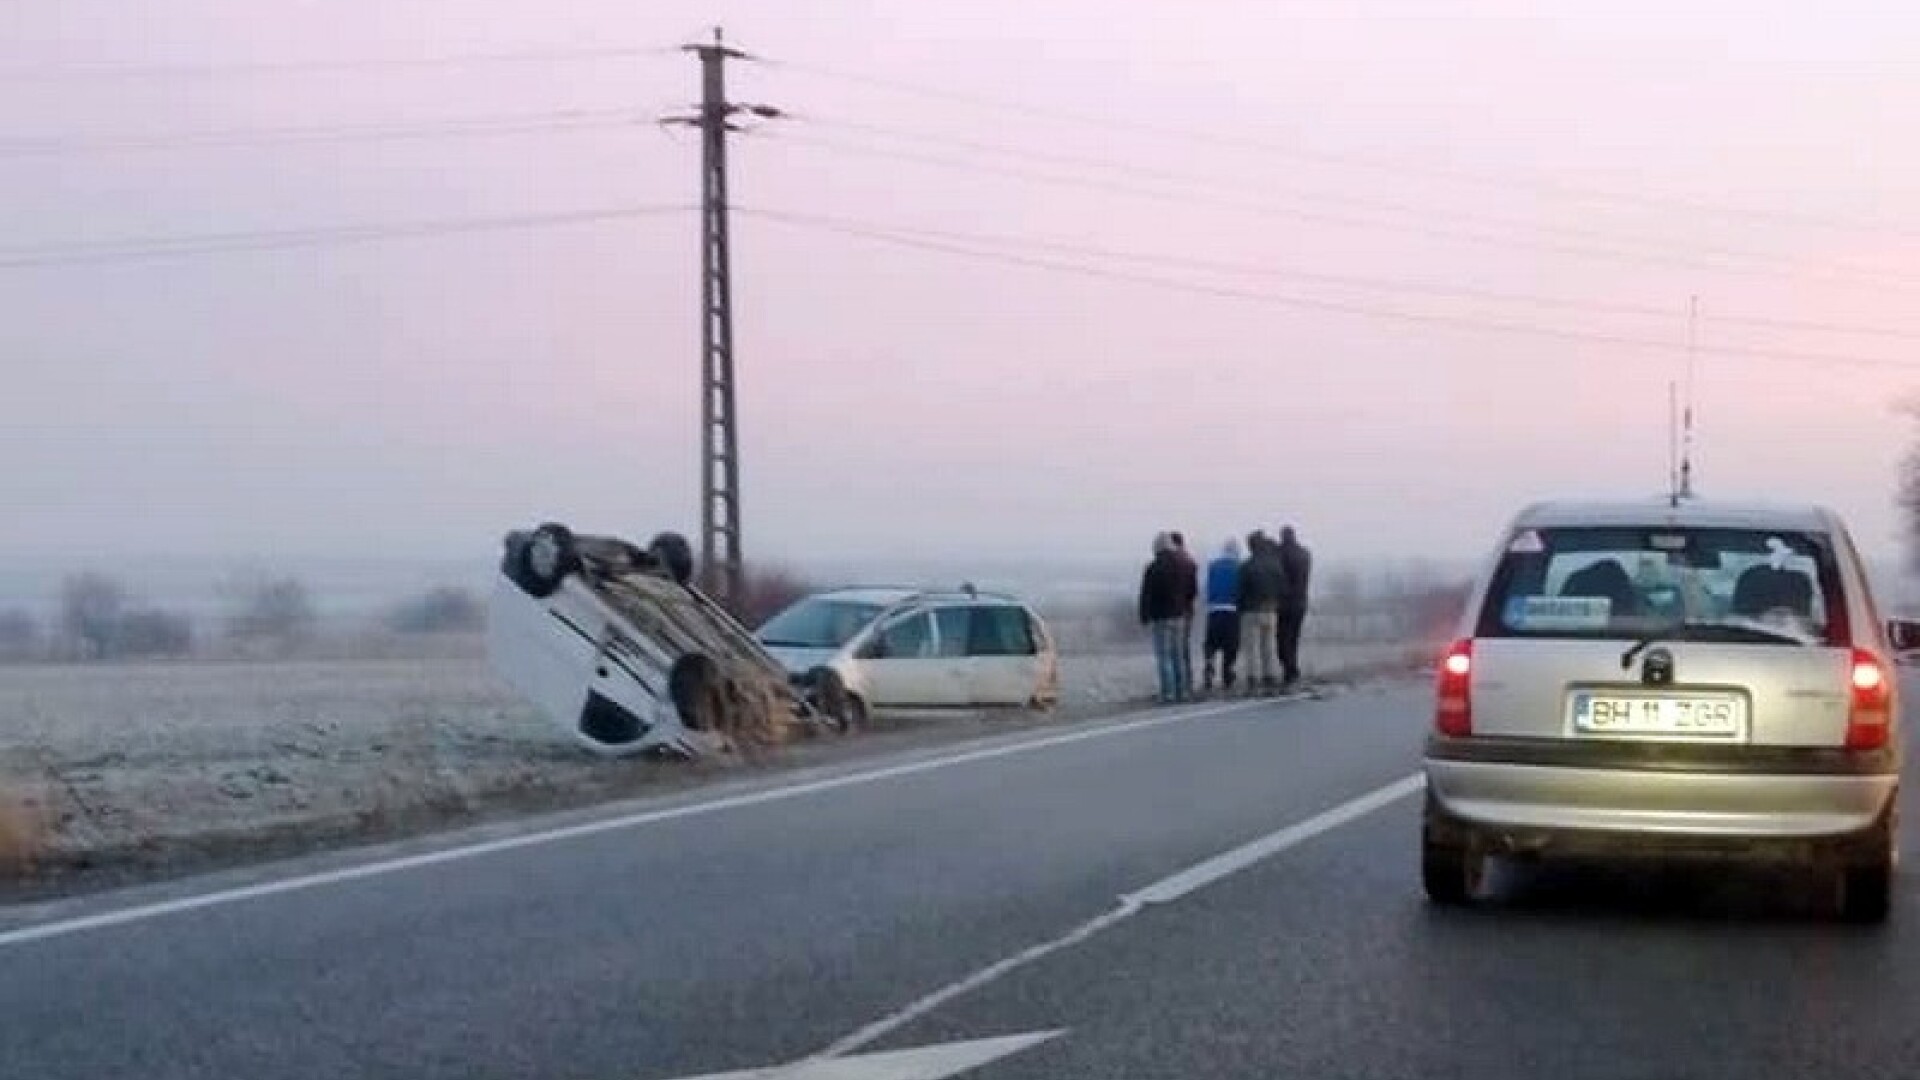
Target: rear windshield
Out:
[1682,584]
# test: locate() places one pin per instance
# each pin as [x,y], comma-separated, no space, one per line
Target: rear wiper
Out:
[1633,652]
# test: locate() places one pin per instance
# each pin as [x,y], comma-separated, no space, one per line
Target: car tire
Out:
[1866,892]
[1866,887]
[834,698]
[546,559]
[674,554]
[690,683]
[1451,874]
[1453,863]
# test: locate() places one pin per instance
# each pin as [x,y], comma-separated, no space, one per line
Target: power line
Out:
[1329,306]
[1760,263]
[1722,210]
[456,127]
[1357,202]
[1778,268]
[1357,281]
[110,72]
[163,247]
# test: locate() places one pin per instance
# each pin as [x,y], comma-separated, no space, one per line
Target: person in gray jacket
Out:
[1263,584]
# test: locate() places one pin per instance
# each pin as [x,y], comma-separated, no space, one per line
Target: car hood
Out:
[800,659]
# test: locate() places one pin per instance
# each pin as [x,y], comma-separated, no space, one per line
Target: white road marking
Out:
[1201,875]
[894,1021]
[1166,890]
[180,905]
[919,1063]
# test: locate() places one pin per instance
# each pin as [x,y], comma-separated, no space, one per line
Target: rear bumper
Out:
[1674,793]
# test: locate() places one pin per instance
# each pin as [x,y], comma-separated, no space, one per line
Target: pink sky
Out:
[424,395]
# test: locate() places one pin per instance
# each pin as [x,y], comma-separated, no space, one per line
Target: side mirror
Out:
[874,649]
[1903,635]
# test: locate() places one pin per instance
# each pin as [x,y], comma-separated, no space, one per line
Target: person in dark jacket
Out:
[1190,592]
[1223,616]
[1263,581]
[1161,610]
[1297,563]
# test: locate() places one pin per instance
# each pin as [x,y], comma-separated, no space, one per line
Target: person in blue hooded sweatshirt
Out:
[1223,616]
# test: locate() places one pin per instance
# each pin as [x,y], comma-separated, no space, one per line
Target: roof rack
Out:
[918,593]
[965,592]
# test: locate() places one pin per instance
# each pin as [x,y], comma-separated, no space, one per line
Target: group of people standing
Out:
[1257,603]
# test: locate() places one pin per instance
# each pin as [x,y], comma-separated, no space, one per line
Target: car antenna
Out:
[1685,488]
[1673,443]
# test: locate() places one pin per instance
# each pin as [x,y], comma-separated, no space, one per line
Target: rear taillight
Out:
[1453,698]
[1870,708]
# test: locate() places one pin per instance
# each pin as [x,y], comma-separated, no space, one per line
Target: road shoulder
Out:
[247,851]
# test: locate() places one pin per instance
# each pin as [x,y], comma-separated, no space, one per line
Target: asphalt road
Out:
[921,904]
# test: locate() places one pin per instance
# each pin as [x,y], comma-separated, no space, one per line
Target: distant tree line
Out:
[99,620]
[442,610]
[1404,603]
[764,592]
[97,617]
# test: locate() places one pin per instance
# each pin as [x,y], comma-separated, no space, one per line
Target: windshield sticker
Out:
[1558,612]
[1777,553]
[1527,543]
[1667,541]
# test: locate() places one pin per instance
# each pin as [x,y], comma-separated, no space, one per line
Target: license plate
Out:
[1672,715]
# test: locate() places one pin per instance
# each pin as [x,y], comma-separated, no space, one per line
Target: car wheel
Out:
[675,554]
[1450,873]
[1453,863]
[690,684]
[1866,888]
[548,557]
[1866,893]
[831,694]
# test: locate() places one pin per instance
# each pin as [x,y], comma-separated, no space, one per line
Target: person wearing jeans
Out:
[1163,612]
[1166,656]
[1262,586]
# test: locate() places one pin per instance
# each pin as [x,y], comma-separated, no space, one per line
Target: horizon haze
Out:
[1013,282]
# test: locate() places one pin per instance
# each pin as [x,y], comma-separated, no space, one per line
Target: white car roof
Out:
[888,596]
[885,597]
[1696,513]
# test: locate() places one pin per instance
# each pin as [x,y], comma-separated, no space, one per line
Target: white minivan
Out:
[882,648]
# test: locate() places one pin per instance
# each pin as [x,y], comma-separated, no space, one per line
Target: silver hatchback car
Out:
[1670,678]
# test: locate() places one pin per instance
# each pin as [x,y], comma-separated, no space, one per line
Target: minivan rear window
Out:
[1739,585]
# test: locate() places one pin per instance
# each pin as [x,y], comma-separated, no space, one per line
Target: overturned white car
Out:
[612,642]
